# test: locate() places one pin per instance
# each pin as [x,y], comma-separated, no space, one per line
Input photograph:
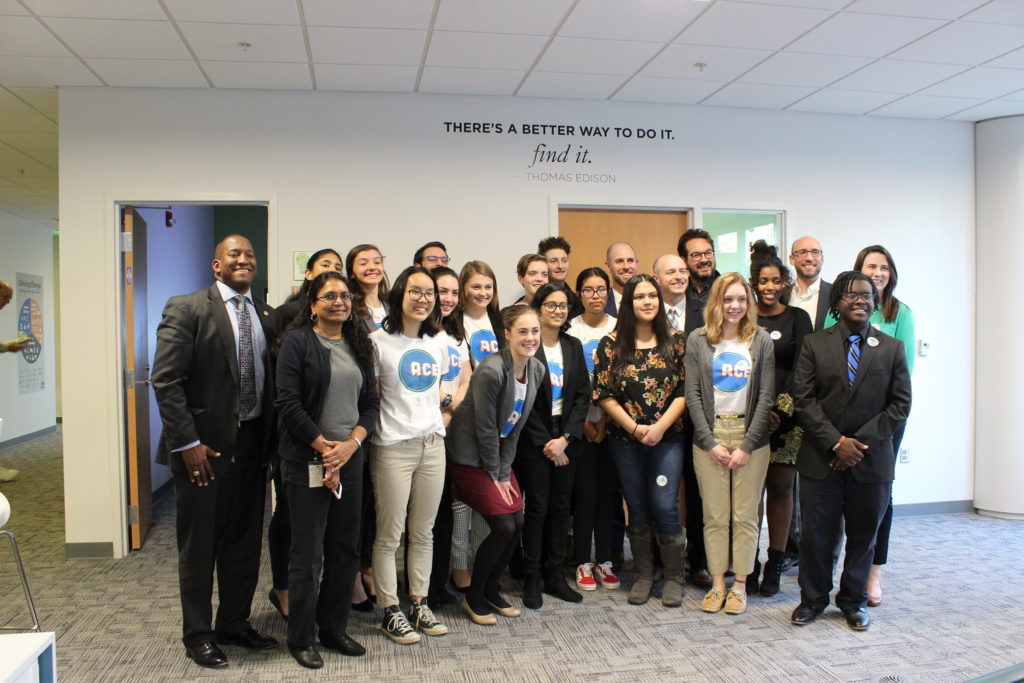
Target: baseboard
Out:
[88,551]
[27,437]
[943,507]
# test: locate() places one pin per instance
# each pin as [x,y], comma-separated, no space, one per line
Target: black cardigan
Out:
[542,426]
[303,375]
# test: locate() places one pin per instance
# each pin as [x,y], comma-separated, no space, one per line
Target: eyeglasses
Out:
[852,297]
[443,260]
[331,297]
[800,253]
[552,306]
[419,295]
[590,292]
[702,254]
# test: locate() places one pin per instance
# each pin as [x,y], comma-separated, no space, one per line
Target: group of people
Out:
[418,420]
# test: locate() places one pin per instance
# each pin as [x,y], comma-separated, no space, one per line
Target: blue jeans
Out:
[650,477]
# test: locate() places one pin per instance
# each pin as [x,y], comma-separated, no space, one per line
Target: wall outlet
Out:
[904,456]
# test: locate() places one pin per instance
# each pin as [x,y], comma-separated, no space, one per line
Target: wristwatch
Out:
[568,437]
[447,401]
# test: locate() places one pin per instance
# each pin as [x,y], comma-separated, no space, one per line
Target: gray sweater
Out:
[700,392]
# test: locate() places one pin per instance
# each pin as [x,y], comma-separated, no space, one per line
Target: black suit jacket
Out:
[824,292]
[195,373]
[870,412]
[542,426]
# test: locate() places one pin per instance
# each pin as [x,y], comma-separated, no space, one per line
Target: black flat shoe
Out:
[343,643]
[804,614]
[207,654]
[308,657]
[857,619]
[364,606]
[249,639]
[276,602]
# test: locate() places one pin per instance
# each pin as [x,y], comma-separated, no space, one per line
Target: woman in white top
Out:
[365,267]
[408,463]
[479,312]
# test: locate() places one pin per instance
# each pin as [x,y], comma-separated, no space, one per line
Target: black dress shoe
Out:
[343,643]
[701,578]
[441,597]
[554,584]
[532,587]
[804,614]
[276,602]
[207,654]
[308,657]
[857,619]
[249,639]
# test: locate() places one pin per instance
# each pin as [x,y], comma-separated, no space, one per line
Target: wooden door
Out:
[136,376]
[590,231]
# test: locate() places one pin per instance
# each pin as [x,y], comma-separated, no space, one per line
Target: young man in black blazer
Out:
[851,387]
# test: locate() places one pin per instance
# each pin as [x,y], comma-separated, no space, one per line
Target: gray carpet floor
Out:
[952,612]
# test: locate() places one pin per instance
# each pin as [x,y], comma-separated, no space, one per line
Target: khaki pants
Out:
[730,496]
[408,478]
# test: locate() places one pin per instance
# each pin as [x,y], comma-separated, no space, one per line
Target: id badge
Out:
[316,474]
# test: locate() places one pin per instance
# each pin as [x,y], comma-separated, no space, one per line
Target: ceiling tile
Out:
[667,90]
[98,9]
[26,122]
[483,50]
[934,9]
[266,43]
[863,35]
[926,107]
[23,167]
[980,82]
[816,4]
[533,17]
[1012,60]
[43,72]
[12,8]
[16,192]
[989,110]
[999,12]
[896,76]
[140,73]
[43,99]
[386,46]
[835,101]
[373,77]
[391,14]
[572,86]
[732,24]
[596,56]
[120,39]
[757,96]
[470,81]
[32,144]
[259,75]
[721,64]
[235,11]
[1017,96]
[965,43]
[35,181]
[8,102]
[653,20]
[791,68]
[26,37]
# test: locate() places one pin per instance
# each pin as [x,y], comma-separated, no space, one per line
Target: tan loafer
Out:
[713,601]
[735,602]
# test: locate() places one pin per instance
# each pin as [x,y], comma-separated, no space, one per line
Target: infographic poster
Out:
[31,370]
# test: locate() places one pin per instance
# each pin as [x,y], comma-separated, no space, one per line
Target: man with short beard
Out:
[698,250]
[620,260]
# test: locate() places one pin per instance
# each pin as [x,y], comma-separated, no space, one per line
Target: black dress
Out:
[787,330]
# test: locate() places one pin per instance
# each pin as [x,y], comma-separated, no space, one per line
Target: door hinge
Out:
[126,241]
[133,514]
[129,379]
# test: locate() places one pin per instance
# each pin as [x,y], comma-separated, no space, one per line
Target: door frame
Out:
[114,202]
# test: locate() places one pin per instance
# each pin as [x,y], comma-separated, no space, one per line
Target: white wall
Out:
[26,247]
[342,168]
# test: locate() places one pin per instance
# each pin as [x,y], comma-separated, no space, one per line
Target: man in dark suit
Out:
[620,260]
[809,291]
[213,386]
[851,387]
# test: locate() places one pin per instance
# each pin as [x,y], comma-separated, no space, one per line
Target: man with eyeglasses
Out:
[431,255]
[555,251]
[673,277]
[620,260]
[809,292]
[698,250]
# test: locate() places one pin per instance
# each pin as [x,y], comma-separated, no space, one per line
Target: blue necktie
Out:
[853,357]
[246,359]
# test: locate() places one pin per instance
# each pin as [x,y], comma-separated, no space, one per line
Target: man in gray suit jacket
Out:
[851,387]
[213,386]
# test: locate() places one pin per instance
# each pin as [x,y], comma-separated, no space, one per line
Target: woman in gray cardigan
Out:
[481,445]
[730,391]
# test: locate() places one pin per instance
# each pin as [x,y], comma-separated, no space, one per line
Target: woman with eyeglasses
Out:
[639,385]
[594,490]
[548,449]
[365,267]
[730,391]
[327,405]
[479,311]
[408,463]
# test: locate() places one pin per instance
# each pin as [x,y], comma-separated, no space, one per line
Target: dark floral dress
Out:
[648,384]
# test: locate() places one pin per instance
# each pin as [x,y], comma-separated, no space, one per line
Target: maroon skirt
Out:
[475,488]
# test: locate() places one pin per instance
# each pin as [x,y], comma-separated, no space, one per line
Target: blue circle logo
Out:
[556,373]
[590,354]
[510,423]
[454,365]
[482,344]
[418,370]
[730,371]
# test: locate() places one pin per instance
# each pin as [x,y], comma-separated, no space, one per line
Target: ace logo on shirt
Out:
[730,371]
[418,370]
[454,365]
[482,344]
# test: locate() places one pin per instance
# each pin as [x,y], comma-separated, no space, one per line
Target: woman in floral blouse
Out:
[639,383]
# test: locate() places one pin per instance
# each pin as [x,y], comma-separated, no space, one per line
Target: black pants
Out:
[823,503]
[882,542]
[547,498]
[694,507]
[443,524]
[368,518]
[279,536]
[220,528]
[325,534]
[594,503]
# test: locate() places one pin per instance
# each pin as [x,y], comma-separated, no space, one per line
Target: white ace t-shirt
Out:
[590,337]
[556,371]
[480,337]
[458,359]
[730,375]
[409,371]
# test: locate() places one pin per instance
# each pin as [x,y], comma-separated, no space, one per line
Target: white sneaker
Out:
[8,474]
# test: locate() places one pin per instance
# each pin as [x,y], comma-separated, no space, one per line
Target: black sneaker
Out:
[424,619]
[397,628]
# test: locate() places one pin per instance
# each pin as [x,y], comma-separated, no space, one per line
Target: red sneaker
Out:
[606,576]
[585,577]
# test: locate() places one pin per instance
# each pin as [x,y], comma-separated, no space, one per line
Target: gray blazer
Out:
[474,434]
[700,393]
